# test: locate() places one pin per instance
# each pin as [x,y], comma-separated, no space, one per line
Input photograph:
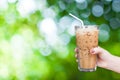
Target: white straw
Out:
[77,19]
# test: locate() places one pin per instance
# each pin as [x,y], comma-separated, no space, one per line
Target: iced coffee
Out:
[86,39]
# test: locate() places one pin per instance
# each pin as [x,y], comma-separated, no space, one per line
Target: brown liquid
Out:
[87,39]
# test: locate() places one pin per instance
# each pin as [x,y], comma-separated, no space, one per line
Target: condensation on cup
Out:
[86,39]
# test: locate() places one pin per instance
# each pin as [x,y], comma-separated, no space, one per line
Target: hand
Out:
[105,59]
[103,56]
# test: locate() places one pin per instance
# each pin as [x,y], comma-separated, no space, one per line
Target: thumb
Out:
[96,50]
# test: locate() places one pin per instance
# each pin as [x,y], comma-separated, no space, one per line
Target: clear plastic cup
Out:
[86,39]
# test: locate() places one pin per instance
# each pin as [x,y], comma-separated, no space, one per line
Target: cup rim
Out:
[86,26]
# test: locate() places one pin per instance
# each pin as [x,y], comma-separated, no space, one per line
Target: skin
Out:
[105,59]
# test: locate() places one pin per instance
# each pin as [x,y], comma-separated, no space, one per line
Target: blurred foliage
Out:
[28,52]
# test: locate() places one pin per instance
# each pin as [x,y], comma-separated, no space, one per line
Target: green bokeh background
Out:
[25,53]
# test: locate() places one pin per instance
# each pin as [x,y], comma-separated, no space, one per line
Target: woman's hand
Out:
[104,59]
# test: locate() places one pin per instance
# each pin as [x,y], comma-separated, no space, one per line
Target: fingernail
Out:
[92,51]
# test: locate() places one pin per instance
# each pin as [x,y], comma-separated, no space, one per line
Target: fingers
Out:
[76,55]
[76,60]
[96,50]
[76,50]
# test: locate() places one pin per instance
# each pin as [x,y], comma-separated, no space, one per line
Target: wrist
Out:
[106,62]
[113,63]
[109,61]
